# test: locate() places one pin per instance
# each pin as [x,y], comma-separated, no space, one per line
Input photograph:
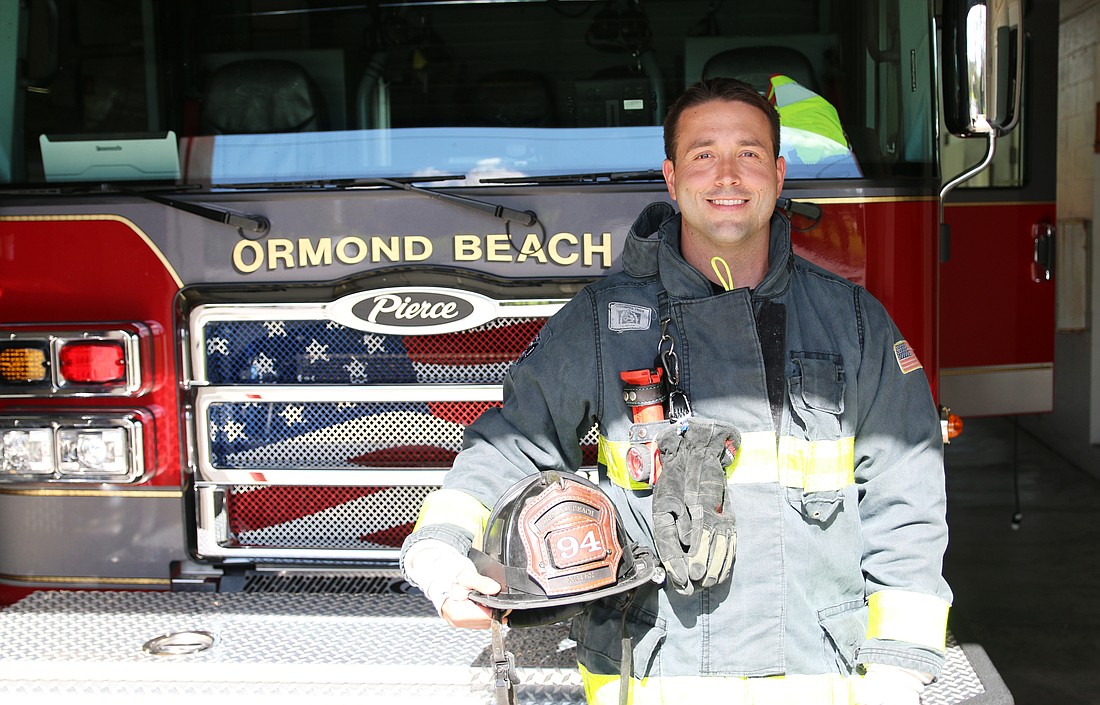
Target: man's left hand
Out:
[889,685]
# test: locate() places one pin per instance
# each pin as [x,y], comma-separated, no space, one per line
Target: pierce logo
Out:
[412,308]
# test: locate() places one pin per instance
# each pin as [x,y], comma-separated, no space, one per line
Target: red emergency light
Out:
[93,362]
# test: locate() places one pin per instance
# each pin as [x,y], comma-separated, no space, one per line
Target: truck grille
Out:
[325,352]
[319,440]
[317,518]
[288,435]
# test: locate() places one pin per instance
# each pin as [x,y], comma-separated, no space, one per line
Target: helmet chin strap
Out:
[626,663]
[504,664]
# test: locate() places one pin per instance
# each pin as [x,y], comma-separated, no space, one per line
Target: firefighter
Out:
[810,572]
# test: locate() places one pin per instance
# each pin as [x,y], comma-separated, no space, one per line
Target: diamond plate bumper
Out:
[329,648]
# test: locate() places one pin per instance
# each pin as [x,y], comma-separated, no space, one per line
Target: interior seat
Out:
[262,96]
[756,65]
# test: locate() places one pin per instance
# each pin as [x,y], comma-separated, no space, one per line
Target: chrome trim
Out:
[179,643]
[334,311]
[213,533]
[326,477]
[135,385]
[212,484]
[347,393]
[132,420]
[190,443]
[206,472]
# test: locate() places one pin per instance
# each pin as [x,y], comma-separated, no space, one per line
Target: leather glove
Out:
[442,572]
[889,685]
[693,523]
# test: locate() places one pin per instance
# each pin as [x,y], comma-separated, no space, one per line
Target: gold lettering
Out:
[467,248]
[604,249]
[257,256]
[556,256]
[280,249]
[311,256]
[497,248]
[414,242]
[360,250]
[532,247]
[391,250]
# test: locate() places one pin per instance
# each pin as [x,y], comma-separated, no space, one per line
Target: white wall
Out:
[1073,429]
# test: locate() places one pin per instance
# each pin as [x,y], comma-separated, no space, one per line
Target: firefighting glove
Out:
[889,685]
[441,572]
[693,523]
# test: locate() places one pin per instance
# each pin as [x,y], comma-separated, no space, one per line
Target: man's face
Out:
[724,176]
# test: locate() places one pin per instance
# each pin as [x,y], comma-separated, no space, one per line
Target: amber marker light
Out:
[23,364]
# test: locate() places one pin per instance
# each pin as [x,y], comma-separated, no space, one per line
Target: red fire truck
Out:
[262,260]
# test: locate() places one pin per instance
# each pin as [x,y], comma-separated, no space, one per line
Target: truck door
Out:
[997,278]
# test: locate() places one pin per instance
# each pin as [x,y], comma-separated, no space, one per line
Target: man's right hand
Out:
[447,577]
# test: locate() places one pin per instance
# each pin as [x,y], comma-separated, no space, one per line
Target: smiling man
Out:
[724,170]
[805,567]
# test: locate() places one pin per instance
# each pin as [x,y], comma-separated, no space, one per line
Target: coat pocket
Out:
[816,389]
[844,629]
[599,636]
[816,507]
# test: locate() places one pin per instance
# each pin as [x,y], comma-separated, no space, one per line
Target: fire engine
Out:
[263,260]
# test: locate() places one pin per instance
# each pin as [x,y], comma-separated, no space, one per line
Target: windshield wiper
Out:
[526,218]
[405,183]
[611,177]
[253,223]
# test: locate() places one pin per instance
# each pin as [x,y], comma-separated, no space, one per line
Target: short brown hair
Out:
[719,88]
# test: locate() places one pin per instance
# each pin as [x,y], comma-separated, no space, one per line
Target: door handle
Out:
[1042,262]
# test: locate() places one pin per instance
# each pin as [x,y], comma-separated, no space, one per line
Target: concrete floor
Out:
[1030,596]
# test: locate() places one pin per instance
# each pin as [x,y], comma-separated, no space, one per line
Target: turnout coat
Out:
[838,489]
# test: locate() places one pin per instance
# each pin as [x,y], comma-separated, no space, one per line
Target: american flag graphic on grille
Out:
[337,435]
[334,435]
[276,516]
[325,352]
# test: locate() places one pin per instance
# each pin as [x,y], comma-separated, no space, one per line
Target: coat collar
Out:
[653,249]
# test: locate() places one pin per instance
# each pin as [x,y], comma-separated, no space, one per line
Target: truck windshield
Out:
[222,92]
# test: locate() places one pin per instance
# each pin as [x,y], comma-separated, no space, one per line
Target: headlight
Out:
[89,445]
[27,452]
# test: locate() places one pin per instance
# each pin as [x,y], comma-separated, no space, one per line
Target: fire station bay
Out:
[265,263]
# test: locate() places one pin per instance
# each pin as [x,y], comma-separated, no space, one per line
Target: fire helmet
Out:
[555,538]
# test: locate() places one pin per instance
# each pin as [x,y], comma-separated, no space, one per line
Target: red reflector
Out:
[93,362]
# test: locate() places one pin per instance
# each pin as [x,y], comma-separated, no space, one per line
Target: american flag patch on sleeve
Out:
[907,359]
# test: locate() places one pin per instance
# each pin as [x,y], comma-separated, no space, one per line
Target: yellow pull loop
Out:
[727,280]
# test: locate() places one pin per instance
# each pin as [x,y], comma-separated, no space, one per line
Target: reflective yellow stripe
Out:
[755,461]
[908,616]
[824,689]
[457,508]
[815,466]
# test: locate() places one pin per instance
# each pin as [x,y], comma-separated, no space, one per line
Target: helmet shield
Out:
[555,538]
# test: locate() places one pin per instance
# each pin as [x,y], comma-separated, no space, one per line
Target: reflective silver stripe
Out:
[457,508]
[908,616]
[823,689]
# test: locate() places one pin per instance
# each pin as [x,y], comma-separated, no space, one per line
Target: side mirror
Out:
[983,42]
